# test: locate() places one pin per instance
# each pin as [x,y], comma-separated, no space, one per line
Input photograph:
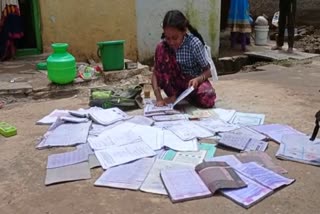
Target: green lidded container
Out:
[111,54]
[7,130]
[61,65]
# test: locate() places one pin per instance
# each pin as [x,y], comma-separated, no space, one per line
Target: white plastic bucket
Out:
[261,33]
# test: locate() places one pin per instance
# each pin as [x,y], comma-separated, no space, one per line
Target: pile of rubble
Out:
[310,42]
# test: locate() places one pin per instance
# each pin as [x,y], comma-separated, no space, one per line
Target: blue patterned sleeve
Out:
[198,50]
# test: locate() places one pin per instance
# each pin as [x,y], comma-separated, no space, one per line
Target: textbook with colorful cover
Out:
[186,183]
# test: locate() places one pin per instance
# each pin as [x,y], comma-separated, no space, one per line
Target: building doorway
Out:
[31,43]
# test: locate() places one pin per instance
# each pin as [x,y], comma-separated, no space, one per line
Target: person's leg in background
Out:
[282,24]
[291,24]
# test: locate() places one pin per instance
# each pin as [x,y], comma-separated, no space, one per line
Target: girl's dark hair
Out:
[176,19]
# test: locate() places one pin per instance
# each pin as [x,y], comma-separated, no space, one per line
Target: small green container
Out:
[111,54]
[61,65]
[7,130]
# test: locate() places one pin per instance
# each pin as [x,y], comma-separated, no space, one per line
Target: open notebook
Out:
[203,181]
[151,109]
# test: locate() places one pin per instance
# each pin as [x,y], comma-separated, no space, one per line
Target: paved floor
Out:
[286,95]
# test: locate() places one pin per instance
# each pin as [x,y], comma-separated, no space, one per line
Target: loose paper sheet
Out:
[67,158]
[74,172]
[117,155]
[126,176]
[153,182]
[247,119]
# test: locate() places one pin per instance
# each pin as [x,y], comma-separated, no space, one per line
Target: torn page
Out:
[67,158]
[118,155]
[247,119]
[189,131]
[126,176]
[184,184]
[153,182]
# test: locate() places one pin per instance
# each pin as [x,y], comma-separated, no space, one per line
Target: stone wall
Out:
[308,11]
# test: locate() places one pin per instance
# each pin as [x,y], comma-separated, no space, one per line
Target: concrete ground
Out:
[289,95]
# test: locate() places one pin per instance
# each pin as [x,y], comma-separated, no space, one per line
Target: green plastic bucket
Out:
[111,54]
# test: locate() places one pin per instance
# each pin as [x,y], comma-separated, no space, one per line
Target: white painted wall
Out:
[203,14]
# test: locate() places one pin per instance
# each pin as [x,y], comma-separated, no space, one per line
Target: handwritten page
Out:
[234,141]
[263,176]
[297,147]
[117,155]
[216,125]
[153,182]
[247,119]
[246,131]
[262,159]
[126,176]
[189,131]
[174,142]
[276,131]
[53,116]
[67,158]
[118,135]
[150,135]
[250,195]
[108,116]
[256,145]
[242,143]
[184,184]
[66,134]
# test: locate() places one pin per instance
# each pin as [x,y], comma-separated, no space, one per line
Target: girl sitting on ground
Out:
[180,62]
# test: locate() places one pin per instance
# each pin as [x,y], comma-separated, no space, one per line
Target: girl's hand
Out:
[160,103]
[169,100]
[195,82]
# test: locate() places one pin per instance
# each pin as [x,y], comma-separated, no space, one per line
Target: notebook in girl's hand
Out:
[203,181]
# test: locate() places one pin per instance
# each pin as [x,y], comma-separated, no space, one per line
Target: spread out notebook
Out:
[151,109]
[186,183]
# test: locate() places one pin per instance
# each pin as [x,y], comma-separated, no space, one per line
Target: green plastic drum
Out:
[61,64]
[111,54]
